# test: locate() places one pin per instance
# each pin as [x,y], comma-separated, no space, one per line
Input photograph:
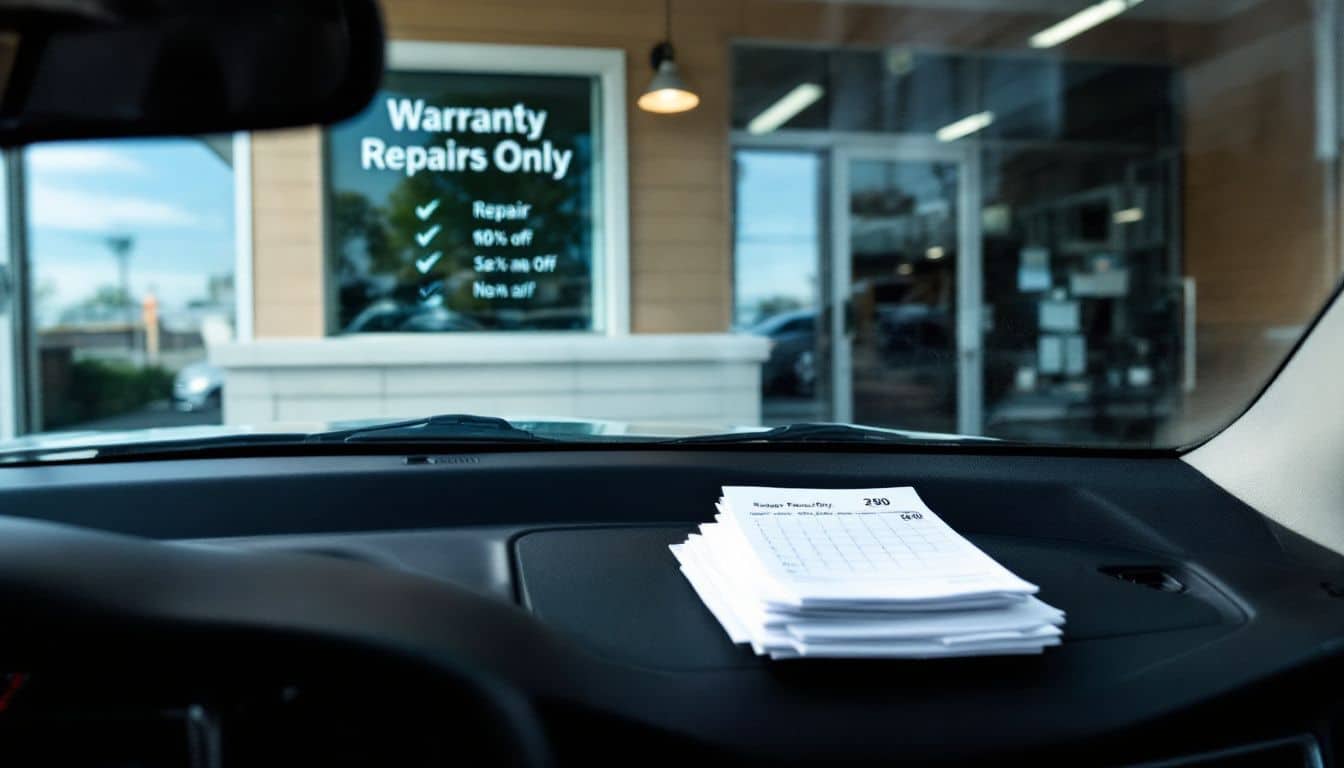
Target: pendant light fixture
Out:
[667,93]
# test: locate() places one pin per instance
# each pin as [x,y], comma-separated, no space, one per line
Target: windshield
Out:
[1040,221]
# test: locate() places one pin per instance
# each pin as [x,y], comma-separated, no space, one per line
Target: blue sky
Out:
[173,196]
[778,221]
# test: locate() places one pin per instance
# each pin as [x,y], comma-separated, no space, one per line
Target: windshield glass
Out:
[1041,221]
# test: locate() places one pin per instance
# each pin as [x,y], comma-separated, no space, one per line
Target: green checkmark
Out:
[427,210]
[427,263]
[423,238]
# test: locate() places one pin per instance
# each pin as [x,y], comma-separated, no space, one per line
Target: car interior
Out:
[411,598]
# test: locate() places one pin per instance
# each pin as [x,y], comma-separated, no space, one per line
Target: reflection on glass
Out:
[1086,296]
[1152,240]
[776,271]
[903,248]
[132,259]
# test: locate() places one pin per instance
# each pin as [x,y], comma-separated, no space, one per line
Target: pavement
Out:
[156,414]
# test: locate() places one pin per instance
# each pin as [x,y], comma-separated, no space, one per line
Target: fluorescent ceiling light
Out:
[1080,22]
[965,126]
[1128,216]
[784,110]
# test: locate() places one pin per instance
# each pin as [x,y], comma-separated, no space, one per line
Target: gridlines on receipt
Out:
[843,544]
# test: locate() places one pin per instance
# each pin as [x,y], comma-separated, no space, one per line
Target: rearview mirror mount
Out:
[113,68]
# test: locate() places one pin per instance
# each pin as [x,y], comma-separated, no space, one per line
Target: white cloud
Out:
[71,209]
[77,159]
[61,286]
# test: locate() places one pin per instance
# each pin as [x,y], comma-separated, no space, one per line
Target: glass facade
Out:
[777,275]
[900,230]
[1051,304]
[1083,286]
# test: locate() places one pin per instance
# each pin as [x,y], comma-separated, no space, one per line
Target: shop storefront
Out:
[996,239]
[880,214]
[476,257]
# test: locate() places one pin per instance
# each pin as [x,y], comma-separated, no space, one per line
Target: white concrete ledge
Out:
[420,349]
[709,378]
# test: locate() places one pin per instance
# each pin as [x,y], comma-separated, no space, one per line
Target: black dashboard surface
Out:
[619,592]
[549,571]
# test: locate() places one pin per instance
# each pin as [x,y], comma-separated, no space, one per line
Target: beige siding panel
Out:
[293,320]
[288,141]
[680,286]
[684,316]
[698,169]
[288,228]
[656,228]
[283,290]
[701,200]
[683,257]
[289,280]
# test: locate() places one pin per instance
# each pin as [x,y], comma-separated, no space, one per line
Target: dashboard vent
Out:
[416,460]
[1291,752]
[1150,576]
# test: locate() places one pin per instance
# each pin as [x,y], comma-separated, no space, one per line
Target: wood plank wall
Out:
[1256,224]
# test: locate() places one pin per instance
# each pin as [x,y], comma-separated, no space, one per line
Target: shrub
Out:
[99,388]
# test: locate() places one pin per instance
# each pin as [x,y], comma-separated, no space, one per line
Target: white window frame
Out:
[611,225]
[243,303]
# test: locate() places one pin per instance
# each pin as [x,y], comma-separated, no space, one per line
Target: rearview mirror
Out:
[107,68]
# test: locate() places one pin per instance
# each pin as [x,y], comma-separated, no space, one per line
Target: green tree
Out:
[107,301]
[360,232]
[775,305]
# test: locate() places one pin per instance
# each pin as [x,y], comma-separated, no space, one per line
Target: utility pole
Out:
[121,245]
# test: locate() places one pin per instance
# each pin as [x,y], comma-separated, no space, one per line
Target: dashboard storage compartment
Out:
[618,591]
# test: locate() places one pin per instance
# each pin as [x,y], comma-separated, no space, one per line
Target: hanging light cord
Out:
[663,50]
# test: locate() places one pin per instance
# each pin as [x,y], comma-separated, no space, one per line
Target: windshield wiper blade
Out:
[827,433]
[443,428]
[83,451]
[435,429]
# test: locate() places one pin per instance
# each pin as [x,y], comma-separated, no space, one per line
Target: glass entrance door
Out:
[779,278]
[12,364]
[908,340]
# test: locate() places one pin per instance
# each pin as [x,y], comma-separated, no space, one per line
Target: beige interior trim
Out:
[1285,456]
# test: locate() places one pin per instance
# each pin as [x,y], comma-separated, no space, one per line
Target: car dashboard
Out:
[523,607]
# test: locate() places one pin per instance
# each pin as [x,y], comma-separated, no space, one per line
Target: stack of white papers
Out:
[800,572]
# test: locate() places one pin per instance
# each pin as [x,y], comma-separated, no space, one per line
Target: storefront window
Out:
[1008,257]
[1083,283]
[132,259]
[464,201]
